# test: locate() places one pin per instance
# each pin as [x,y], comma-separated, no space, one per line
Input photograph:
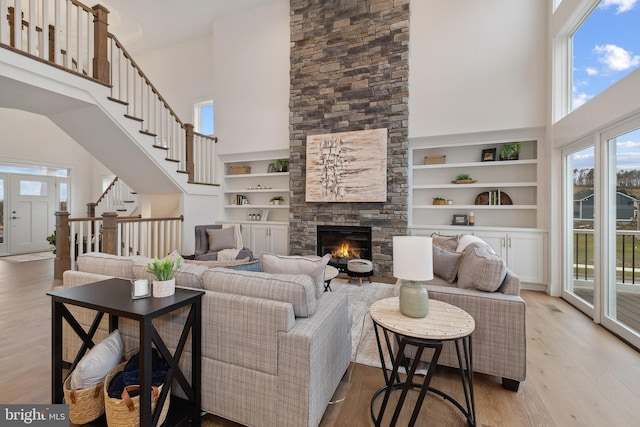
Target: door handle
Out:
[15,217]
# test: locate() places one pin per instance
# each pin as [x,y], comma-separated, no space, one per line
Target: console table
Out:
[445,322]
[113,297]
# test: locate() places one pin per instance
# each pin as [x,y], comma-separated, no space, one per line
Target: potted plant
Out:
[510,151]
[275,200]
[281,165]
[439,201]
[165,283]
[464,178]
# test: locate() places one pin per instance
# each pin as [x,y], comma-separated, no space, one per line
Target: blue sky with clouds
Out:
[606,48]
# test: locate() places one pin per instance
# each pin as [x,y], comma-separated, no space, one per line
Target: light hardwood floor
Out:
[578,374]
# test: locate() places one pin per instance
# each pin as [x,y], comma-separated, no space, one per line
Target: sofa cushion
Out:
[295,289]
[216,263]
[219,239]
[446,263]
[188,275]
[481,268]
[312,265]
[107,264]
[96,364]
[447,242]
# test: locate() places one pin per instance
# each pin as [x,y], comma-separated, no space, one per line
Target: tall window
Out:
[203,117]
[606,47]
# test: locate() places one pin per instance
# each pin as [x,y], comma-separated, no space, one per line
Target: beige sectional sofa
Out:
[470,276]
[274,346]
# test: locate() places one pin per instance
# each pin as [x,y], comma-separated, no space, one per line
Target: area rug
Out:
[36,256]
[364,349]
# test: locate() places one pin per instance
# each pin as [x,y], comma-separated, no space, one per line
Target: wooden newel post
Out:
[110,233]
[189,147]
[100,43]
[62,262]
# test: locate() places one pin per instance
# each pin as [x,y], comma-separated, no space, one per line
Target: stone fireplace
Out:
[343,243]
[349,72]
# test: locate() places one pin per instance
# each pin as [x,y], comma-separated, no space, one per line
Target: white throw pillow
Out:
[313,266]
[96,364]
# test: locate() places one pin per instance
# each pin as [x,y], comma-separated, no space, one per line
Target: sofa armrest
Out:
[313,357]
[72,278]
[499,339]
[510,284]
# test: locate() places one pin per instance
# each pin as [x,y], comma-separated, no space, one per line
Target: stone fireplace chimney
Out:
[349,72]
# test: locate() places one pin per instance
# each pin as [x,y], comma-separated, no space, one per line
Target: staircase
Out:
[82,78]
[117,197]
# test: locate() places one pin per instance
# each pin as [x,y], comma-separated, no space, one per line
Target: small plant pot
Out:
[164,288]
[439,202]
[276,202]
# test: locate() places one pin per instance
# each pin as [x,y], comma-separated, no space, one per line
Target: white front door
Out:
[31,216]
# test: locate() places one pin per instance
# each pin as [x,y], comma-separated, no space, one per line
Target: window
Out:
[33,188]
[203,117]
[605,48]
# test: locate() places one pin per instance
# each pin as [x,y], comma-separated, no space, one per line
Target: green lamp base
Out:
[414,299]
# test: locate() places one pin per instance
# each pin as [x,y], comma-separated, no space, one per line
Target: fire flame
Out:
[345,251]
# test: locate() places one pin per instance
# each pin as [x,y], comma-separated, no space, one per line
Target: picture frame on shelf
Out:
[271,168]
[489,155]
[460,219]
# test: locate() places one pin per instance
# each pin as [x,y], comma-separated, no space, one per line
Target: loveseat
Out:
[274,346]
[469,275]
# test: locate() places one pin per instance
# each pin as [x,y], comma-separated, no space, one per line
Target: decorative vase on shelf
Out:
[164,288]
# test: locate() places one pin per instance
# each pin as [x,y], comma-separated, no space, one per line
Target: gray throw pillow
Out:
[447,242]
[221,238]
[445,263]
[481,268]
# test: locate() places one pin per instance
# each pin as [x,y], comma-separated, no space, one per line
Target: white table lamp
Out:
[412,263]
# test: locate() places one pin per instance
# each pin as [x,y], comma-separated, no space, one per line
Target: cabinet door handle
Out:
[503,242]
[509,240]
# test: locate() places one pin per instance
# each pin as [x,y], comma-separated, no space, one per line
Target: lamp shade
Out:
[413,258]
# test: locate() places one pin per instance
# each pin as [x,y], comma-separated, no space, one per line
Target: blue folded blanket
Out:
[130,375]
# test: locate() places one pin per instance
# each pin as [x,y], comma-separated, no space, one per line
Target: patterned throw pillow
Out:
[446,242]
[481,268]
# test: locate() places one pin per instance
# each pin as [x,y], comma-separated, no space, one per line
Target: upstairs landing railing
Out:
[125,236]
[117,197]
[75,38]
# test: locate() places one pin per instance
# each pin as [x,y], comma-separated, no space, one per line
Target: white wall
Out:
[30,138]
[251,79]
[477,66]
[182,73]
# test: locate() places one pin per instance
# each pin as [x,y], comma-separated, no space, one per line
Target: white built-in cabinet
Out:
[265,225]
[513,229]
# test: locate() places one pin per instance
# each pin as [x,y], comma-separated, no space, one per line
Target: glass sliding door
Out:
[580,207]
[602,240]
[621,232]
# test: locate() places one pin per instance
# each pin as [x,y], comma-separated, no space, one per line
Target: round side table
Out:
[330,273]
[445,322]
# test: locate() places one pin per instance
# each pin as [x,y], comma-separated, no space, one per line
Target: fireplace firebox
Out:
[343,243]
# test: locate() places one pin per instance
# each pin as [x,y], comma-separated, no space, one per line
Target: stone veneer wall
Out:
[349,71]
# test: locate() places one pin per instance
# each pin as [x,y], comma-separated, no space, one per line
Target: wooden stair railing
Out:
[86,48]
[151,237]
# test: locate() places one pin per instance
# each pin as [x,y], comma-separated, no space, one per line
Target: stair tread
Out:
[137,119]
[172,160]
[117,100]
[160,147]
[146,132]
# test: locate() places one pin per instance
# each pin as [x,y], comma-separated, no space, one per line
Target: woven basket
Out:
[85,405]
[125,412]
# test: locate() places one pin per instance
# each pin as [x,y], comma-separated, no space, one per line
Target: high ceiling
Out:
[145,25]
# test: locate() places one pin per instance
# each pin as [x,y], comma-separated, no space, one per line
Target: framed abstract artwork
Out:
[347,167]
